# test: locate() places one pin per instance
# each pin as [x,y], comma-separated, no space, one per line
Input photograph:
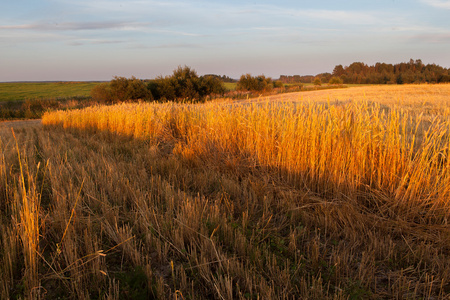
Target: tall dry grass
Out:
[301,199]
[358,150]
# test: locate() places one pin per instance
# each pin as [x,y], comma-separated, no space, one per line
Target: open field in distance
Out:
[230,86]
[29,100]
[19,91]
[336,194]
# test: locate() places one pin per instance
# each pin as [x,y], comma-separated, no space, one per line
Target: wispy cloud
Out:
[82,42]
[352,17]
[219,13]
[45,26]
[118,8]
[180,33]
[177,46]
[282,13]
[139,27]
[412,28]
[8,37]
[438,3]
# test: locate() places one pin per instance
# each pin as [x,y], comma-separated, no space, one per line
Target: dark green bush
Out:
[278,84]
[210,85]
[335,80]
[102,93]
[259,83]
[185,84]
[121,89]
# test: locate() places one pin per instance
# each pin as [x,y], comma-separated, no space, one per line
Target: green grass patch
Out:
[19,91]
[230,86]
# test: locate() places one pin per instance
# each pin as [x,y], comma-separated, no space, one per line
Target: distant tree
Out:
[383,68]
[284,78]
[446,77]
[324,77]
[119,88]
[413,71]
[338,70]
[357,68]
[162,88]
[185,84]
[102,93]
[259,83]
[335,80]
[409,76]
[222,78]
[419,65]
[296,78]
[137,89]
[211,85]
[247,83]
[317,81]
[123,89]
[278,84]
[264,83]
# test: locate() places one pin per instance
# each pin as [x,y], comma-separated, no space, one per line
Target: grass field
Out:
[19,91]
[331,194]
[230,86]
[29,100]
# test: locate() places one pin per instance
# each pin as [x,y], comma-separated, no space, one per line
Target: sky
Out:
[86,40]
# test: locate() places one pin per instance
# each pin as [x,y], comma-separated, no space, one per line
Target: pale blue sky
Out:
[96,40]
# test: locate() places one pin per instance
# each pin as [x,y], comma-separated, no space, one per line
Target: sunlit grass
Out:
[340,150]
[339,194]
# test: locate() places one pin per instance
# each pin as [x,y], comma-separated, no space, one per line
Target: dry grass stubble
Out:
[214,202]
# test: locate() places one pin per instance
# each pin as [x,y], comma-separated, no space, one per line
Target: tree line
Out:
[414,71]
[185,84]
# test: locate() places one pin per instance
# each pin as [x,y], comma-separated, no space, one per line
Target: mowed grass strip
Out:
[19,91]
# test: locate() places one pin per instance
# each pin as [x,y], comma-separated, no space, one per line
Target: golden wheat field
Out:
[336,194]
